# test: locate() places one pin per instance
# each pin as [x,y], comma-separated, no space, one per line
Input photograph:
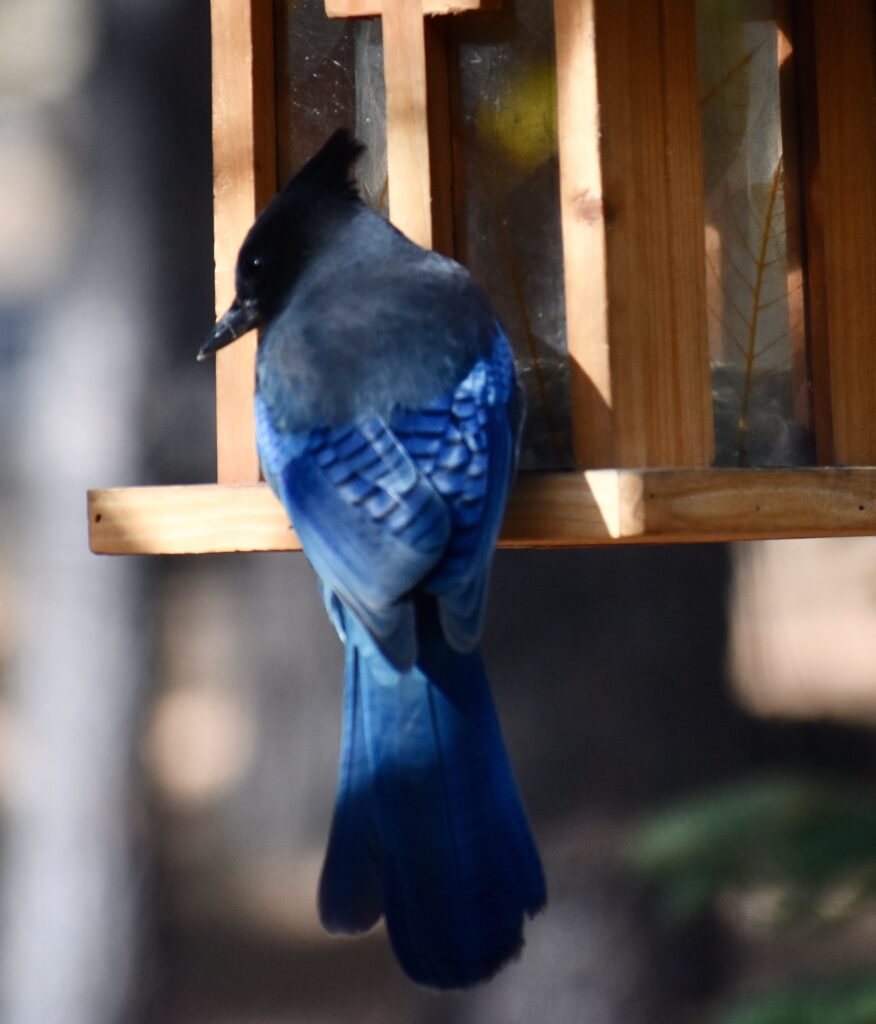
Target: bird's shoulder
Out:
[374,323]
[370,268]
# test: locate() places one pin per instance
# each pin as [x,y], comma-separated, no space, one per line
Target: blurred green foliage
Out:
[849,1002]
[810,839]
[808,842]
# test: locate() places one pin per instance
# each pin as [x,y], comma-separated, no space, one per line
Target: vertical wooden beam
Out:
[659,388]
[583,216]
[843,210]
[686,436]
[244,179]
[407,121]
[813,234]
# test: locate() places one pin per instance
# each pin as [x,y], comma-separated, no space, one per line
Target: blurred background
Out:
[692,728]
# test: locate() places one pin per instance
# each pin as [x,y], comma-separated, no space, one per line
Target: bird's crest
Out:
[331,167]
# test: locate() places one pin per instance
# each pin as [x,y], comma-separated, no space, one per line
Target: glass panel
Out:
[753,246]
[507,222]
[330,75]
[508,214]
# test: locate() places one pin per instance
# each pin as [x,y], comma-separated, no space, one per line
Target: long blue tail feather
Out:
[426,777]
[349,890]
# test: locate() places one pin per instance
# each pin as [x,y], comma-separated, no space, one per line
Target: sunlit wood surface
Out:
[546,510]
[244,179]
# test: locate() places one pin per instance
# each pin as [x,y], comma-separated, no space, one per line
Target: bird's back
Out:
[374,323]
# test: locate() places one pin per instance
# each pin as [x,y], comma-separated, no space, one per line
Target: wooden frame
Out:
[244,179]
[596,507]
[634,274]
[842,221]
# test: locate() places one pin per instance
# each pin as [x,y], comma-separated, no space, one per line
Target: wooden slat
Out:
[546,510]
[719,505]
[583,223]
[194,519]
[407,122]
[813,234]
[600,507]
[690,424]
[244,179]
[653,195]
[370,8]
[844,37]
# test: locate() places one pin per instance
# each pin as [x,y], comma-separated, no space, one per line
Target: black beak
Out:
[240,318]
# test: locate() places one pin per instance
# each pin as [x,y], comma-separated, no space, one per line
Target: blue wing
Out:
[382,507]
[370,523]
[466,445]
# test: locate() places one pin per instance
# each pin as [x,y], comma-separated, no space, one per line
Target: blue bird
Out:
[388,417]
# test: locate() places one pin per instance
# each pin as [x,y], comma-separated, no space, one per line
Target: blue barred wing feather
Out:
[466,444]
[384,507]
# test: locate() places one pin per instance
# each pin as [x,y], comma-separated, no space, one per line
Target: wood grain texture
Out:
[597,507]
[844,41]
[244,179]
[193,519]
[407,120]
[813,233]
[583,225]
[655,259]
[691,424]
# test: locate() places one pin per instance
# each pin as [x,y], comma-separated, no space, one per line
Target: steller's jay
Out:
[388,418]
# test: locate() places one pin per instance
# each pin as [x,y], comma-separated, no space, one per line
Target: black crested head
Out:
[297,223]
[330,169]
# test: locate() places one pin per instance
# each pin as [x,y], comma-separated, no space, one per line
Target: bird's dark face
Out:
[286,234]
[261,279]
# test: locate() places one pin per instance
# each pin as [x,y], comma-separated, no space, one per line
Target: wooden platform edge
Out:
[577,509]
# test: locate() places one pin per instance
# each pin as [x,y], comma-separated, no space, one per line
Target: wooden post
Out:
[407,120]
[841,228]
[633,227]
[244,179]
[583,215]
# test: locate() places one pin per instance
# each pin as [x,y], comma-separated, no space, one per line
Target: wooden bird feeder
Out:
[651,244]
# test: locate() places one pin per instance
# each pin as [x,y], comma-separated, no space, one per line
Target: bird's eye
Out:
[254,265]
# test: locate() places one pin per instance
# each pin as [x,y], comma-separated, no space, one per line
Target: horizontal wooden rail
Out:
[579,509]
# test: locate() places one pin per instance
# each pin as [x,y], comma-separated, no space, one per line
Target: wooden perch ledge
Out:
[603,506]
